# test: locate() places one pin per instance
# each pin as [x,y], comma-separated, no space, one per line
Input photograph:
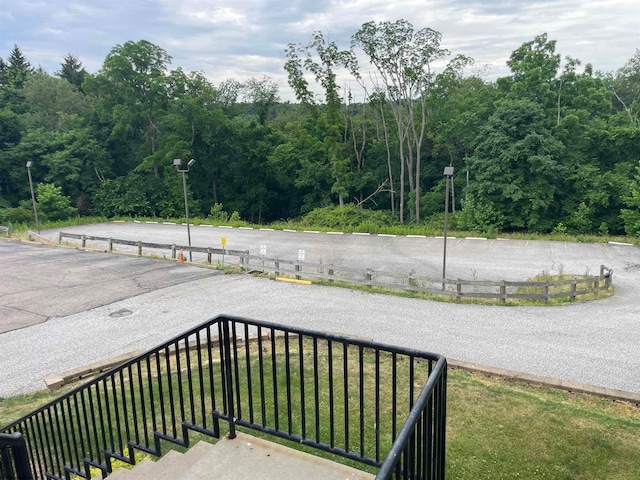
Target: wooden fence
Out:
[499,290]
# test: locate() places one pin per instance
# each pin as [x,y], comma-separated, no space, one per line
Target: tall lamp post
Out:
[33,197]
[178,164]
[448,173]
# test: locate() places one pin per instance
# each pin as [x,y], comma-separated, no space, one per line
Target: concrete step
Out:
[244,457]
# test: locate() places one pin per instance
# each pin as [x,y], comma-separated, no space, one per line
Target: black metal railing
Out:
[14,458]
[379,405]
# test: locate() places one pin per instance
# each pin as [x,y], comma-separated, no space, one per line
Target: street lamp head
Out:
[191,162]
[29,164]
[177,162]
[448,172]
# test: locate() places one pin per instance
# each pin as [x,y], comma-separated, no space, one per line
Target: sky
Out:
[242,39]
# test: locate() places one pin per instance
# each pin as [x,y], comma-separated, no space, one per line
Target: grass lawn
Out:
[498,428]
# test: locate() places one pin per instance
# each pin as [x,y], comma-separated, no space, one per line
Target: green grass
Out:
[496,428]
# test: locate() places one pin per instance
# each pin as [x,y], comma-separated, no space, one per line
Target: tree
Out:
[626,88]
[515,168]
[322,59]
[72,71]
[262,94]
[18,68]
[133,83]
[404,59]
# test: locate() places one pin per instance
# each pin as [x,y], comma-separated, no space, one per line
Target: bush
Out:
[53,204]
[217,214]
[347,217]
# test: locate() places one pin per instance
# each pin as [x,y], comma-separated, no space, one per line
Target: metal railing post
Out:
[228,383]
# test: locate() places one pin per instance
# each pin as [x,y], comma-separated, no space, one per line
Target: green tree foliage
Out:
[52,204]
[515,167]
[551,146]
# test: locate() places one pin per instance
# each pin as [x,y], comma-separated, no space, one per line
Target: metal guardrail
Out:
[454,288]
[376,404]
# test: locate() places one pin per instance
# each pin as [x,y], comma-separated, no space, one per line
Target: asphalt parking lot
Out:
[76,307]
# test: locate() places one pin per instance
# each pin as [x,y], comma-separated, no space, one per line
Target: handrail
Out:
[14,457]
[315,389]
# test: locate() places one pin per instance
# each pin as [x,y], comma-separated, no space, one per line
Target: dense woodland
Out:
[554,146]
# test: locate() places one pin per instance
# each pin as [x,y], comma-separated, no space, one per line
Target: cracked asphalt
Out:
[72,307]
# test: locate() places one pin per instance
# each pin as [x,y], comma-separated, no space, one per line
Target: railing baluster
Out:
[303,406]
[152,403]
[172,410]
[263,403]
[287,357]
[316,389]
[163,416]
[345,390]
[143,405]
[192,405]
[361,392]
[203,411]
[134,409]
[377,401]
[332,426]
[274,379]
[179,378]
[247,354]
[236,369]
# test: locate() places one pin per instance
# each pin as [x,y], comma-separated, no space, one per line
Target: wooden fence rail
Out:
[458,288]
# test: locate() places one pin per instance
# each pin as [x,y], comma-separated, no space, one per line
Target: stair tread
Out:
[249,457]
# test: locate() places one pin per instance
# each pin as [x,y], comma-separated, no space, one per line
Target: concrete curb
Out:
[56,382]
[574,387]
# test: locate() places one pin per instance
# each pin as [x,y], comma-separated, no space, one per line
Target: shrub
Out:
[347,217]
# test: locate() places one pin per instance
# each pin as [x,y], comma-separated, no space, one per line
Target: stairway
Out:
[244,457]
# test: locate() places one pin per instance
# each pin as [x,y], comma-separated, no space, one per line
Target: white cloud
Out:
[243,38]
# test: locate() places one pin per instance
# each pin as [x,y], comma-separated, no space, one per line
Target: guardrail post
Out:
[458,289]
[331,274]
[110,245]
[545,292]
[368,276]
[411,280]
[596,286]
[503,293]
[59,237]
[208,255]
[84,241]
[297,271]
[139,249]
[277,267]
[173,251]
[573,291]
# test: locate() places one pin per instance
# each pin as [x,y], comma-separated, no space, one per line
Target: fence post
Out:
[596,286]
[368,275]
[458,289]
[331,274]
[173,251]
[208,254]
[60,237]
[277,267]
[110,245]
[84,241]
[503,292]
[573,291]
[545,292]
[139,249]
[297,271]
[411,280]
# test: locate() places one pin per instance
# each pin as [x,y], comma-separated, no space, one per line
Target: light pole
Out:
[178,163]
[33,197]
[448,173]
